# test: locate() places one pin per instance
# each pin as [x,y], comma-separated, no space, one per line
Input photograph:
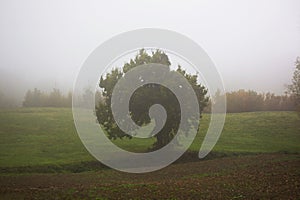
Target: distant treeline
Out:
[237,101]
[248,101]
[37,98]
[7,102]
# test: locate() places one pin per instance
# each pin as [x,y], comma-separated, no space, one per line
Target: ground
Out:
[257,157]
[263,176]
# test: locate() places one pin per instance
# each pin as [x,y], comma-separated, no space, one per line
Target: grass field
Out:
[47,136]
[256,157]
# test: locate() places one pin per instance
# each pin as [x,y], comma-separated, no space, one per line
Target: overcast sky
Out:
[254,44]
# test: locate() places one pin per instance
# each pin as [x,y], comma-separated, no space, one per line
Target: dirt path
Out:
[265,176]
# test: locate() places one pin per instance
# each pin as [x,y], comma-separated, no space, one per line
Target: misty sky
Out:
[254,44]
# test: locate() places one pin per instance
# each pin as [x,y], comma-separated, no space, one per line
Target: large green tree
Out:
[294,88]
[144,97]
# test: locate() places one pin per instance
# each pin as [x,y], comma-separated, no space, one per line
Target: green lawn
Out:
[47,136]
[39,136]
[257,132]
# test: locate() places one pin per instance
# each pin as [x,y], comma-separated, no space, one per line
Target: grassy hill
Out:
[47,136]
[36,141]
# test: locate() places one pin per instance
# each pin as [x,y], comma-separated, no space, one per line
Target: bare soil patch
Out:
[264,176]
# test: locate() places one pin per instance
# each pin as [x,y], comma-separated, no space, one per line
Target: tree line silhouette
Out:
[237,101]
[250,101]
[37,98]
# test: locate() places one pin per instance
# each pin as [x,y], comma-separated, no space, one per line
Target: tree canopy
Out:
[146,96]
[294,88]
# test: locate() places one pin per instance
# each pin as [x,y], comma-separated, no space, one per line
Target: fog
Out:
[254,44]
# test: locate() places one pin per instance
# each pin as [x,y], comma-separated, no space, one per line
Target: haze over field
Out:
[43,44]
